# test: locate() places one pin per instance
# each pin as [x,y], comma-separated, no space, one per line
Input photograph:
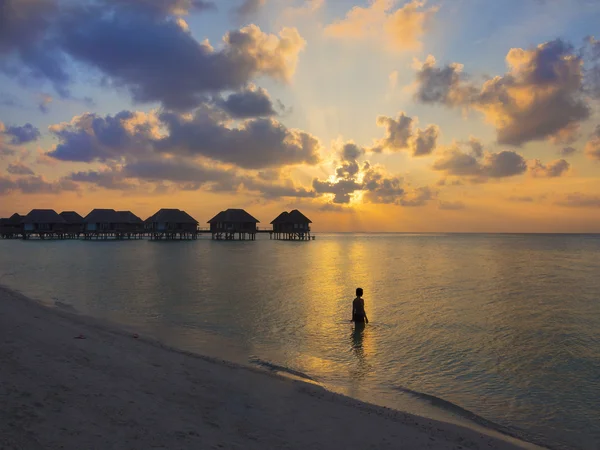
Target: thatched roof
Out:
[167,215]
[16,219]
[43,216]
[293,216]
[296,216]
[233,216]
[71,217]
[128,217]
[101,216]
[281,218]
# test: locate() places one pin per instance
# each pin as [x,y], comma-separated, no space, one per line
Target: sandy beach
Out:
[73,382]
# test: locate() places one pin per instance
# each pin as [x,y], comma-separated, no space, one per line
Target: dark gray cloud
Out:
[143,48]
[418,197]
[580,200]
[379,188]
[400,134]
[248,8]
[107,179]
[35,185]
[90,137]
[23,22]
[540,96]
[351,152]
[257,143]
[451,206]
[28,54]
[551,170]
[493,165]
[248,103]
[476,147]
[22,135]
[139,52]
[18,168]
[567,151]
[185,174]
[342,189]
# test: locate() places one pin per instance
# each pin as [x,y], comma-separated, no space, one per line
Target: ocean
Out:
[495,330]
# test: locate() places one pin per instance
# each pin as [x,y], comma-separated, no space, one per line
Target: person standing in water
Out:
[359,314]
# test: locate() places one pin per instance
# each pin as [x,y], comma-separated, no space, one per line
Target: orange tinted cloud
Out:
[401,29]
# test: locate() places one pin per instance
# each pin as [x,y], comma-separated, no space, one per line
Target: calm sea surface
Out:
[498,328]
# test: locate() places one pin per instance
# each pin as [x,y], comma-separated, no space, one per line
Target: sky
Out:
[382,115]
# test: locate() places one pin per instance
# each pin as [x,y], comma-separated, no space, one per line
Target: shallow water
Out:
[501,329]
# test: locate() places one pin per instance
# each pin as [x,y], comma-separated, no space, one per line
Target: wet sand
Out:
[74,382]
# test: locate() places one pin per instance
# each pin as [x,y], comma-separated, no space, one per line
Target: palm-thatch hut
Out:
[171,224]
[12,226]
[106,223]
[227,223]
[291,226]
[43,223]
[74,223]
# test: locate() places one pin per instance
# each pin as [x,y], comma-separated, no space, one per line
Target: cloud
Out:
[342,189]
[379,188]
[350,151]
[400,134]
[551,170]
[451,206]
[22,135]
[540,97]
[18,168]
[152,76]
[567,151]
[521,199]
[141,41]
[492,165]
[90,137]
[256,143]
[247,103]
[43,103]
[399,28]
[592,74]
[371,184]
[35,185]
[167,7]
[107,179]
[248,8]
[592,147]
[580,200]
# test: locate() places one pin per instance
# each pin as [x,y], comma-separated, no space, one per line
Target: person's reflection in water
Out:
[358,349]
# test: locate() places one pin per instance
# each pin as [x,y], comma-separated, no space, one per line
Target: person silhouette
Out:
[359,314]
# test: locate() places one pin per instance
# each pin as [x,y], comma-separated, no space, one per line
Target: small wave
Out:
[278,368]
[64,306]
[475,418]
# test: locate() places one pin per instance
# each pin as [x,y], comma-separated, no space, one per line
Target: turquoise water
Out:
[500,329]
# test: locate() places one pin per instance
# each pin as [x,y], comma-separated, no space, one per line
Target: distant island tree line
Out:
[165,224]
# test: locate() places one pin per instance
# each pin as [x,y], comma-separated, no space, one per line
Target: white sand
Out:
[113,391]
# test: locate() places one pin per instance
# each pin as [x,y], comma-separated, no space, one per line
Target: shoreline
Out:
[112,389]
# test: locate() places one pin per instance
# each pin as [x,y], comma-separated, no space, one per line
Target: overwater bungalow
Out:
[108,223]
[12,226]
[44,223]
[291,226]
[74,223]
[227,223]
[171,224]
